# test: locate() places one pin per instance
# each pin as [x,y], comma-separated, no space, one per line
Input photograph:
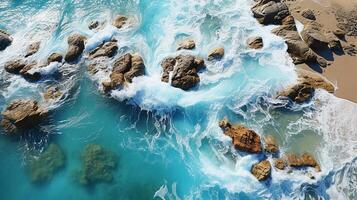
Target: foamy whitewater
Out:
[168,140]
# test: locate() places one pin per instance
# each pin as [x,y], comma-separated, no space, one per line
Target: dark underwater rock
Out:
[98,165]
[5,40]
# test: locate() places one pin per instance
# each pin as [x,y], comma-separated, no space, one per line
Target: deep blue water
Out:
[167,141]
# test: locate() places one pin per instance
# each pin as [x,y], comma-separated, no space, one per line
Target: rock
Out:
[122,64]
[216,53]
[54,57]
[93,25]
[305,160]
[314,37]
[298,49]
[15,66]
[76,47]
[271,145]
[321,61]
[52,94]
[308,14]
[184,70]
[334,43]
[32,48]
[108,49]
[279,163]
[43,167]
[186,44]
[255,42]
[5,40]
[97,165]
[261,170]
[243,138]
[27,73]
[137,68]
[305,88]
[21,115]
[270,12]
[339,33]
[120,21]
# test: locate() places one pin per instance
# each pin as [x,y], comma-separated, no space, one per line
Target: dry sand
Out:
[342,70]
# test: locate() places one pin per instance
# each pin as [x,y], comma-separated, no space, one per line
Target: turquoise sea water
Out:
[168,142]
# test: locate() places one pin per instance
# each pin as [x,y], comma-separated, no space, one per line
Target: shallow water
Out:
[168,142]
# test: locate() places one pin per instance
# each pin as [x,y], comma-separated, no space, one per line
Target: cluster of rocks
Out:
[246,140]
[347,21]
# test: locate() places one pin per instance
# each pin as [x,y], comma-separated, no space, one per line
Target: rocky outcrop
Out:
[32,49]
[261,170]
[305,88]
[271,145]
[5,40]
[216,53]
[28,73]
[75,47]
[270,11]
[308,14]
[21,115]
[125,68]
[305,160]
[255,42]
[15,66]
[243,138]
[314,36]
[279,163]
[119,21]
[54,57]
[184,70]
[108,49]
[186,44]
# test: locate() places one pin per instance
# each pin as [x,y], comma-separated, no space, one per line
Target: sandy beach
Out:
[341,69]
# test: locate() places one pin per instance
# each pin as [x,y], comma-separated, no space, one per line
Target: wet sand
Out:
[342,69]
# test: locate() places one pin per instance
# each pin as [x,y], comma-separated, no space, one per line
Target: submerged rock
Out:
[93,25]
[216,53]
[98,165]
[305,160]
[255,42]
[54,57]
[43,167]
[184,70]
[270,11]
[52,94]
[22,114]
[243,138]
[261,170]
[305,88]
[186,44]
[5,40]
[119,21]
[271,145]
[32,48]
[15,66]
[75,47]
[108,49]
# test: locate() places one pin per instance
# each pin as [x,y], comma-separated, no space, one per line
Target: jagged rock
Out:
[184,70]
[31,76]
[261,170]
[54,57]
[22,114]
[270,144]
[339,33]
[119,21]
[308,14]
[137,68]
[98,165]
[334,43]
[279,163]
[321,61]
[216,53]
[52,93]
[288,23]
[186,44]
[314,37]
[270,12]
[243,138]
[93,25]
[76,47]
[5,40]
[305,160]
[32,48]
[255,42]
[15,66]
[108,49]
[305,88]
[43,167]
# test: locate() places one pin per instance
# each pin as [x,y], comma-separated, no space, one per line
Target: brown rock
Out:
[167,65]
[54,57]
[306,160]
[314,37]
[242,138]
[122,64]
[5,40]
[52,93]
[270,144]
[279,163]
[108,49]
[216,53]
[137,68]
[270,12]
[255,42]
[25,72]
[120,21]
[32,48]
[76,47]
[339,33]
[308,14]
[15,66]
[22,114]
[186,44]
[261,170]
